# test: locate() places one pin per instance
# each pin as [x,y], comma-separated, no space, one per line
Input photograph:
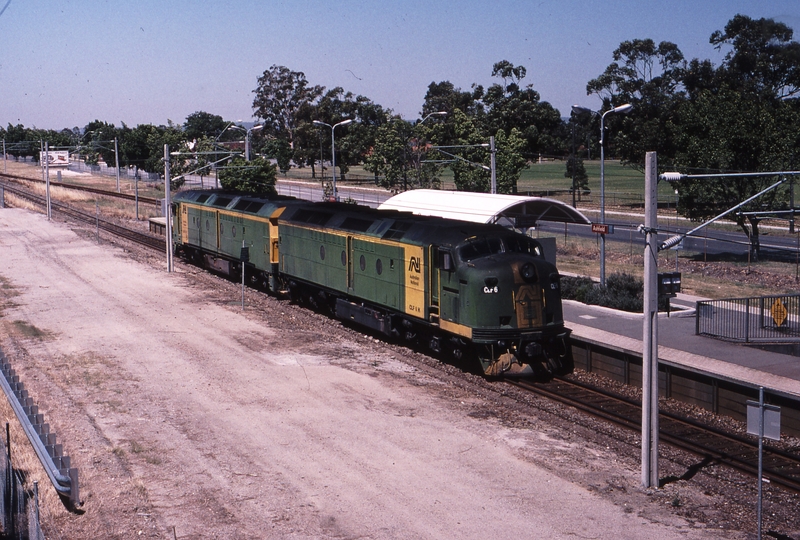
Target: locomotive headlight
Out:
[528,272]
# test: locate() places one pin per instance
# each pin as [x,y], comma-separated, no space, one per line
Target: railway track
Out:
[138,237]
[87,189]
[715,446]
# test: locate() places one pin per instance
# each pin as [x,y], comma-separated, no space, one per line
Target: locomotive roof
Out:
[385,224]
[390,224]
[258,204]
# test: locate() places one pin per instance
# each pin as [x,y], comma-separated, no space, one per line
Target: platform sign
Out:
[779,312]
[602,228]
[772,420]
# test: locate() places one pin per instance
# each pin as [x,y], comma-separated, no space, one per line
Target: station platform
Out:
[679,346]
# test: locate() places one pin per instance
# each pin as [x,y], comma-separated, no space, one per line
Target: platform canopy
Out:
[508,210]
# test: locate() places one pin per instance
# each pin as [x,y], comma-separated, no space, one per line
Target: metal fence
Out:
[126,173]
[764,319]
[19,508]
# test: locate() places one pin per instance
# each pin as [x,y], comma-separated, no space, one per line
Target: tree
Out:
[649,77]
[730,131]
[575,166]
[278,149]
[763,61]
[255,176]
[98,143]
[510,106]
[509,161]
[390,157]
[739,119]
[202,124]
[468,172]
[280,94]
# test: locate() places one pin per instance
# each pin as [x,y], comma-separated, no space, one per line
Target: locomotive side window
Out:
[344,258]
[379,266]
[322,252]
[362,263]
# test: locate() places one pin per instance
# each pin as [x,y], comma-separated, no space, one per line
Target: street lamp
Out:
[623,109]
[246,137]
[333,150]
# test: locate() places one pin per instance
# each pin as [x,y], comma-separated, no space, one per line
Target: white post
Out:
[168,210]
[47,178]
[650,327]
[116,159]
[4,155]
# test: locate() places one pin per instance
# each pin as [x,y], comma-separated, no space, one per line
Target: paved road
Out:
[710,241]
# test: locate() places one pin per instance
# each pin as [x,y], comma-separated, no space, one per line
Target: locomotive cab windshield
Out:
[476,248]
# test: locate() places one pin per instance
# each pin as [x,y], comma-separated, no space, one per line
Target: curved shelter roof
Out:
[508,210]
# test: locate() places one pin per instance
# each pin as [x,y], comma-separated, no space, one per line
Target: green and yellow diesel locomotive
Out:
[462,289]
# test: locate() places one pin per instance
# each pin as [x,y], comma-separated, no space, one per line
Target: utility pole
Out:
[116,160]
[493,162]
[168,209]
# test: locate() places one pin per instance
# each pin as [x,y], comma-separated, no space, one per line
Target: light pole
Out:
[333,150]
[246,137]
[623,109]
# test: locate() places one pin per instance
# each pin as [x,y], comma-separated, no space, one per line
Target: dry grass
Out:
[86,202]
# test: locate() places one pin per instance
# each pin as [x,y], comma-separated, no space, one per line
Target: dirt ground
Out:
[189,417]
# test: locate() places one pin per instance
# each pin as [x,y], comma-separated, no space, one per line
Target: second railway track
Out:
[714,445]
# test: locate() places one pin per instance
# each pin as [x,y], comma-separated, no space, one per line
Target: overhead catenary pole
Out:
[168,209]
[760,457]
[116,160]
[650,327]
[333,150]
[493,162]
[136,189]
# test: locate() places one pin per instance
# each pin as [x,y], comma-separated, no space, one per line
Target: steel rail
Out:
[684,433]
[97,191]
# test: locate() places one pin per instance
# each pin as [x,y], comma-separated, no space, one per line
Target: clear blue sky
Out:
[66,63]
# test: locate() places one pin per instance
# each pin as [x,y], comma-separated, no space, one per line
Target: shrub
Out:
[576,288]
[622,291]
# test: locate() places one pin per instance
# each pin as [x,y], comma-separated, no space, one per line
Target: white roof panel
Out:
[511,210]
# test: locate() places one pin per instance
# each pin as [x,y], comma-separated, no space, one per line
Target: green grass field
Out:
[624,186]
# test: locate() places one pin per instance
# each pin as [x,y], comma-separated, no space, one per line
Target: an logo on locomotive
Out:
[414,264]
